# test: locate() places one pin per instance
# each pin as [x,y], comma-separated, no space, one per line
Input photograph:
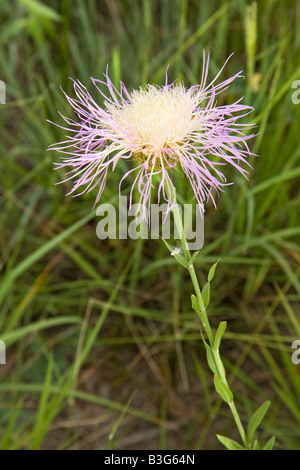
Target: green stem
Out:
[205,321]
[198,293]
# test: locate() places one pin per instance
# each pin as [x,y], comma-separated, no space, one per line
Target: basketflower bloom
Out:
[157,128]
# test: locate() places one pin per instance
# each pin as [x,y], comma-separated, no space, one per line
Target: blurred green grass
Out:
[103,350]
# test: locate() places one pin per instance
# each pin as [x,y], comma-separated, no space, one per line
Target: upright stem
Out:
[205,321]
[198,293]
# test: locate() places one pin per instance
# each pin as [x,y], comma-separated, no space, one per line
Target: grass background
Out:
[103,349]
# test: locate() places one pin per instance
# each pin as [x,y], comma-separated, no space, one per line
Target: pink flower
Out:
[158,128]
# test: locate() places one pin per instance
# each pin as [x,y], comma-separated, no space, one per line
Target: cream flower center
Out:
[156,121]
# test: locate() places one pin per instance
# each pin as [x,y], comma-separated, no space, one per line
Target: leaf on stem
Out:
[206,294]
[210,357]
[193,258]
[270,444]
[220,332]
[230,444]
[255,445]
[223,390]
[211,272]
[195,303]
[175,251]
[256,419]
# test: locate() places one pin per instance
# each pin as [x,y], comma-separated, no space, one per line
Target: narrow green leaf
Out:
[196,307]
[270,444]
[256,445]
[43,249]
[211,272]
[206,294]
[256,419]
[193,258]
[42,408]
[210,357]
[12,424]
[41,10]
[175,251]
[171,248]
[12,337]
[181,260]
[118,422]
[195,303]
[229,443]
[223,390]
[220,332]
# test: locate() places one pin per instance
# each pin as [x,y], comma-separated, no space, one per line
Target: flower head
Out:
[158,128]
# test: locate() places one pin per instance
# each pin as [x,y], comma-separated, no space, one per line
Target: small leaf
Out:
[206,294]
[220,332]
[195,303]
[210,357]
[256,419]
[174,252]
[223,390]
[270,444]
[193,258]
[256,445]
[229,443]
[211,272]
[181,260]
[196,308]
[170,247]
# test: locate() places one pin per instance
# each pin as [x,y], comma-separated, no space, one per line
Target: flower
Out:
[158,128]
